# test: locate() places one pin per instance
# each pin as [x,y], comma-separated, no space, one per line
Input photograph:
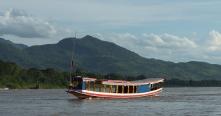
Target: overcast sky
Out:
[174,30]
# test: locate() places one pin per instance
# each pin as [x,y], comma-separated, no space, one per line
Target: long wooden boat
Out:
[84,87]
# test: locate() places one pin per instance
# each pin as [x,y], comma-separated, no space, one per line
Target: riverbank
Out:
[168,83]
[13,76]
[192,83]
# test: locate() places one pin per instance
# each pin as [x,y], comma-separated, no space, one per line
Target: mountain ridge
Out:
[98,56]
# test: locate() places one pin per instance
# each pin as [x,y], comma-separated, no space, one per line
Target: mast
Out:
[72,68]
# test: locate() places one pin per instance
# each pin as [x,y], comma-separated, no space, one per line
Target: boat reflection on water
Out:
[4,89]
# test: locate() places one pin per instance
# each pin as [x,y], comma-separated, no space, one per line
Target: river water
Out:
[171,102]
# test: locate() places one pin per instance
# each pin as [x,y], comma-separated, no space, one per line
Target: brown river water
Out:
[198,101]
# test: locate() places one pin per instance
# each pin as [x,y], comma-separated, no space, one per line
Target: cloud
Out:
[170,47]
[215,40]
[19,23]
[164,41]
[169,41]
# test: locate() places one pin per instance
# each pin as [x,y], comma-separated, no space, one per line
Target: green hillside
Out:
[97,56]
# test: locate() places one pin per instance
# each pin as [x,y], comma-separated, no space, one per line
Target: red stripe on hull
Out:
[90,94]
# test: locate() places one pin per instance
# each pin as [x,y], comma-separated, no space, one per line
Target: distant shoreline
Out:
[192,83]
[167,84]
[13,76]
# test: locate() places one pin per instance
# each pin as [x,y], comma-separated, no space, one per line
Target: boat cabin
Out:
[116,86]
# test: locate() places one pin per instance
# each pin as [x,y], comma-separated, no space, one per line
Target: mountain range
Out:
[94,55]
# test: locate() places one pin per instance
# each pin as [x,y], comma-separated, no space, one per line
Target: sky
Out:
[172,30]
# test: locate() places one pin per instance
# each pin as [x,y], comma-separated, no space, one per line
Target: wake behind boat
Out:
[84,87]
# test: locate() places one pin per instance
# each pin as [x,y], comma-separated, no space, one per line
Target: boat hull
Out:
[84,94]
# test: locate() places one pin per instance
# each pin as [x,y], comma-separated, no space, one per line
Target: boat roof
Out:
[138,82]
[123,82]
[89,79]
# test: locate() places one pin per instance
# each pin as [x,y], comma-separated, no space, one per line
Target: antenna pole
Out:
[74,66]
[72,69]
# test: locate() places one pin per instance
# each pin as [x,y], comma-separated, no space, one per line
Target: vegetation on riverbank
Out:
[13,76]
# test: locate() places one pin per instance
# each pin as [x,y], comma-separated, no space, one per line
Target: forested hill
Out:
[97,56]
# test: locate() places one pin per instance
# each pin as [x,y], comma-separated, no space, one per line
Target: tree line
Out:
[13,76]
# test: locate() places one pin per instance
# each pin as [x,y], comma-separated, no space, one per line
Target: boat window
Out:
[125,89]
[87,85]
[114,89]
[130,89]
[135,89]
[91,86]
[107,88]
[98,87]
[156,86]
[120,88]
[102,88]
